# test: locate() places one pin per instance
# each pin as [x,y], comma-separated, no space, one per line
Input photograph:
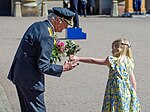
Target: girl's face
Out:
[116,49]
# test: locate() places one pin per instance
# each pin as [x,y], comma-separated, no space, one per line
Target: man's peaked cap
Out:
[64,13]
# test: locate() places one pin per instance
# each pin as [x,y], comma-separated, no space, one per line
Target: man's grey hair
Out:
[52,16]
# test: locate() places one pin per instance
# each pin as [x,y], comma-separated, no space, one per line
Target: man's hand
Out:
[69,65]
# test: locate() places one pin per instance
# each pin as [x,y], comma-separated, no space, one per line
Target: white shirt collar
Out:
[51,26]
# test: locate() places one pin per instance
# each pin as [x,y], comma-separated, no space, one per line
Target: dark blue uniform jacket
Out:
[32,59]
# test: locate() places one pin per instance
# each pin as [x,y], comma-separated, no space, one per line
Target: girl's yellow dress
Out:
[119,94]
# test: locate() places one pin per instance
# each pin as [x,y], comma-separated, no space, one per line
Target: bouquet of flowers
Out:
[58,52]
[71,48]
[64,50]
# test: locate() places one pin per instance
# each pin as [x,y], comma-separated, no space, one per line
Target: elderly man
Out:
[32,60]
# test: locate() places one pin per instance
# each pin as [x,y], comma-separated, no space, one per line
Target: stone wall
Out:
[105,7]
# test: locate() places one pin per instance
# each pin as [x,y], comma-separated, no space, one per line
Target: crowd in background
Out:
[85,7]
[79,7]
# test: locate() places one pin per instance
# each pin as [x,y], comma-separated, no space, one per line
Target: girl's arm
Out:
[91,60]
[132,80]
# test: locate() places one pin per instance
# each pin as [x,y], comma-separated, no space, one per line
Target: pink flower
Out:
[60,44]
[62,50]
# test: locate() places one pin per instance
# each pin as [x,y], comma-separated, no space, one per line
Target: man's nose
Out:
[66,26]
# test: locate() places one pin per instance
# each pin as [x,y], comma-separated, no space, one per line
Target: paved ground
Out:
[82,89]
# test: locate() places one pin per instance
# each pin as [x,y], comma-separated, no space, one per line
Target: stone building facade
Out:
[7,7]
[28,7]
[104,6]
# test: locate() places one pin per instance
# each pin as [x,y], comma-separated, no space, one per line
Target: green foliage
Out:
[64,50]
[71,48]
[56,55]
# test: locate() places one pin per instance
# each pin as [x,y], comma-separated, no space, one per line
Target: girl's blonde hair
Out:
[124,48]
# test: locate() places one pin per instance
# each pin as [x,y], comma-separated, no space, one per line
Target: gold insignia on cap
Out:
[69,21]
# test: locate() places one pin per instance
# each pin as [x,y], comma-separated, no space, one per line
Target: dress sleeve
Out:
[112,60]
[130,65]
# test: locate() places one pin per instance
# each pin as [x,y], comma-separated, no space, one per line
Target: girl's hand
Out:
[73,58]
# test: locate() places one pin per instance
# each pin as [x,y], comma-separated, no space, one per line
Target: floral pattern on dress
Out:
[119,94]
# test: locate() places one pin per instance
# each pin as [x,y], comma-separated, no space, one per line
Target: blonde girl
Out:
[120,93]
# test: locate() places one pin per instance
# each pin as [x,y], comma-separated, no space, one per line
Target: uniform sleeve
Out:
[44,53]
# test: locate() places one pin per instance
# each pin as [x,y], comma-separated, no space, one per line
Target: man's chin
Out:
[59,31]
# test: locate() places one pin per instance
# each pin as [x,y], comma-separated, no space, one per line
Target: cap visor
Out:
[68,22]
